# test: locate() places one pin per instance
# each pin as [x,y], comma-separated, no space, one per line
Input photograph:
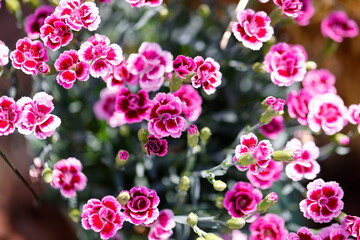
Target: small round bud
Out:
[235,223]
[219,202]
[47,175]
[75,215]
[175,83]
[246,160]
[121,157]
[123,197]
[143,134]
[184,184]
[283,155]
[219,185]
[205,134]
[192,219]
[341,139]
[124,130]
[267,202]
[311,65]
[211,236]
[193,136]
[204,10]
[259,67]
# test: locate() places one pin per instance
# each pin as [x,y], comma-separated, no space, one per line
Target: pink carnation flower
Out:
[142,206]
[165,116]
[323,201]
[120,75]
[156,146]
[142,3]
[207,74]
[150,64]
[333,232]
[303,234]
[354,115]
[134,106]
[103,216]
[306,12]
[192,100]
[327,112]
[55,33]
[28,55]
[10,114]
[269,227]
[104,108]
[290,8]
[71,69]
[34,21]
[352,225]
[305,166]
[36,116]
[252,28]
[266,178]
[78,14]
[286,63]
[273,128]
[183,66]
[319,82]
[4,54]
[242,199]
[68,177]
[298,105]
[260,151]
[101,55]
[161,229]
[337,26]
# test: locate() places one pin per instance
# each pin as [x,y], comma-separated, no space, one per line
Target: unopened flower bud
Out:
[192,219]
[219,202]
[175,83]
[124,130]
[246,160]
[235,223]
[267,202]
[205,134]
[311,65]
[143,134]
[267,116]
[219,185]
[47,175]
[342,139]
[121,157]
[184,184]
[204,10]
[259,67]
[283,155]
[123,197]
[75,215]
[193,136]
[211,236]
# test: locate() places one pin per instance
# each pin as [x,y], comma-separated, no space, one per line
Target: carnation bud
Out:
[143,134]
[341,139]
[205,134]
[204,10]
[192,219]
[267,202]
[267,116]
[184,184]
[123,197]
[175,83]
[283,155]
[219,202]
[124,130]
[246,160]
[47,175]
[311,65]
[121,158]
[75,215]
[193,136]
[235,223]
[259,67]
[219,185]
[211,236]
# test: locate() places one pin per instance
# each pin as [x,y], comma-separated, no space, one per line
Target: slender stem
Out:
[20,176]
[227,34]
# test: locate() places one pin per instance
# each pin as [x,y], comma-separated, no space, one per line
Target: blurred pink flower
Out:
[298,105]
[269,227]
[319,82]
[4,54]
[141,3]
[192,100]
[266,178]
[273,128]
[290,8]
[352,225]
[276,104]
[306,12]
[161,229]
[354,115]
[34,22]
[119,76]
[10,114]
[303,234]
[337,26]
[333,232]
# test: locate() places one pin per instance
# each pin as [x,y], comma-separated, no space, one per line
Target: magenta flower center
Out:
[141,203]
[133,101]
[166,116]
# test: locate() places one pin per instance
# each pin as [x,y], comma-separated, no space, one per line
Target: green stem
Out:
[18,174]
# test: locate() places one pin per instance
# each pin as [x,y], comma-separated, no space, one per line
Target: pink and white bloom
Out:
[4,54]
[120,75]
[142,208]
[252,28]
[260,151]
[34,21]
[327,112]
[156,146]
[305,165]
[142,3]
[103,216]
[298,105]
[207,74]
[323,201]
[161,229]
[303,234]
[306,13]
[55,33]
[28,55]
[134,106]
[338,26]
[165,116]
[290,8]
[10,114]
[266,178]
[150,64]
[36,116]
[269,227]
[192,100]
[333,232]
[78,14]
[242,199]
[71,69]
[352,225]
[104,108]
[273,128]
[183,66]
[68,177]
[286,63]
[354,115]
[100,54]
[319,82]
[276,104]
